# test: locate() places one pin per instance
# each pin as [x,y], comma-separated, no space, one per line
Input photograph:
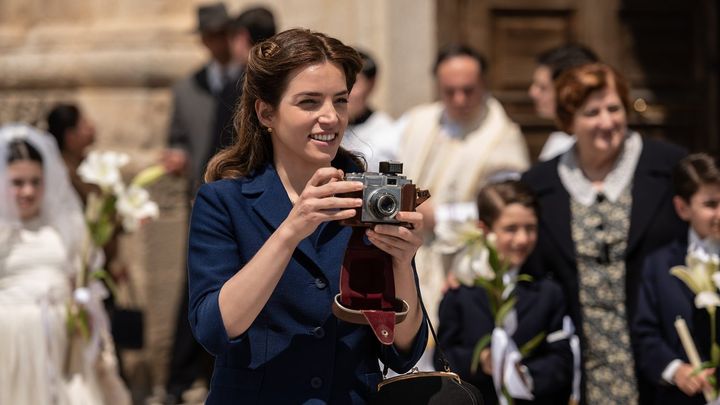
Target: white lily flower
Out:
[472,263]
[481,264]
[465,241]
[707,299]
[491,239]
[103,169]
[699,273]
[134,206]
[452,236]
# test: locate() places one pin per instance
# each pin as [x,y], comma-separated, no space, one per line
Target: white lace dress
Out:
[34,290]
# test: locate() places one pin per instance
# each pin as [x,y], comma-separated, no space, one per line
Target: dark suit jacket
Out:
[228,102]
[192,124]
[296,350]
[465,317]
[663,297]
[653,221]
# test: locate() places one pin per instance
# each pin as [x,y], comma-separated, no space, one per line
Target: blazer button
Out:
[320,283]
[319,332]
[316,382]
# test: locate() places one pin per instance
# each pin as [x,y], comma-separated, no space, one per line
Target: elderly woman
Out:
[605,204]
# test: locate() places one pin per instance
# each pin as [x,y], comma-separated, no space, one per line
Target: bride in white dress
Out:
[41,234]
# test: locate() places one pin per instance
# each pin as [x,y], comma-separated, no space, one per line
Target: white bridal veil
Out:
[61,206]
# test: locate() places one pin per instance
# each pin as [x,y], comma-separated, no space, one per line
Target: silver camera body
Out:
[382,195]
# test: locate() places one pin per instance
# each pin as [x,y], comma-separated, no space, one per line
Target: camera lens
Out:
[384,205]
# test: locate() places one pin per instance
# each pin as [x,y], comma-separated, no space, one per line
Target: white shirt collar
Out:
[511,275]
[216,79]
[457,130]
[621,175]
[705,246]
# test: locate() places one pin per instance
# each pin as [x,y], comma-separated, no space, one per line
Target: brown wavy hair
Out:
[267,73]
[575,86]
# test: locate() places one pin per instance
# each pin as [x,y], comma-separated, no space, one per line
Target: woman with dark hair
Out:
[550,65]
[606,203]
[265,246]
[74,133]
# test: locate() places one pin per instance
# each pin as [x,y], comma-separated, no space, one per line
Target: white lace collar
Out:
[621,175]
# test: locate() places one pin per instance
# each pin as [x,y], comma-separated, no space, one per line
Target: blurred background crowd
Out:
[158,79]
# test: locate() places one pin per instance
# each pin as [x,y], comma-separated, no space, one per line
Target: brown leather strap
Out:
[367,289]
[382,323]
[356,315]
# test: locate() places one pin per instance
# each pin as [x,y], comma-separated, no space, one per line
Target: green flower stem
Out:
[507,396]
[81,279]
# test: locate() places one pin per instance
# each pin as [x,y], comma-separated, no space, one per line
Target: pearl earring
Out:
[269,130]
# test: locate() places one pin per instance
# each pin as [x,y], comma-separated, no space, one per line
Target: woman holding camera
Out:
[266,247]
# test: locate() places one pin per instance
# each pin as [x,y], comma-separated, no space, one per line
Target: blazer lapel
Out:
[273,206]
[677,258]
[649,188]
[557,216]
[201,79]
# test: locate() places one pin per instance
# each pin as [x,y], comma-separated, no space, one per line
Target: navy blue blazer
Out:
[296,351]
[663,297]
[465,317]
[653,222]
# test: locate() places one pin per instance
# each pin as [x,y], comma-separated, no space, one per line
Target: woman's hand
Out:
[398,241]
[317,202]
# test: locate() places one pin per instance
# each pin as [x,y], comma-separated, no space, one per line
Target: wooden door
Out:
[667,51]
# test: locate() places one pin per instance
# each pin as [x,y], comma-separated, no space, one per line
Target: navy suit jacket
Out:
[653,223]
[465,317]
[663,297]
[296,350]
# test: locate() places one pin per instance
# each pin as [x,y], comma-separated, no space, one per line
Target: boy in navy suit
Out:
[663,297]
[509,211]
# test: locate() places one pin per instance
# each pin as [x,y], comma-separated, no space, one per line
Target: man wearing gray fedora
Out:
[191,136]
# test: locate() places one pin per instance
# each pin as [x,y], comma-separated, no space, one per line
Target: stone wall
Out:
[117,60]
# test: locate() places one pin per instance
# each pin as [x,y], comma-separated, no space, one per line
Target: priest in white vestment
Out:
[453,147]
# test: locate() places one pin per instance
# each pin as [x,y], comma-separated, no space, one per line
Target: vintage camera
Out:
[385,194]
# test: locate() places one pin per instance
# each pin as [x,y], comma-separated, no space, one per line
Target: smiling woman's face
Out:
[311,117]
[27,187]
[600,124]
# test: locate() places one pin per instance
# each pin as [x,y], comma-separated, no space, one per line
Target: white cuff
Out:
[669,373]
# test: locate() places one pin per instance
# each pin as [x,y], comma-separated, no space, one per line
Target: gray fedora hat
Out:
[212,17]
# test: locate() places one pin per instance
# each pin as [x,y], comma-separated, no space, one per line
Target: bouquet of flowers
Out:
[702,276]
[116,205]
[475,262]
